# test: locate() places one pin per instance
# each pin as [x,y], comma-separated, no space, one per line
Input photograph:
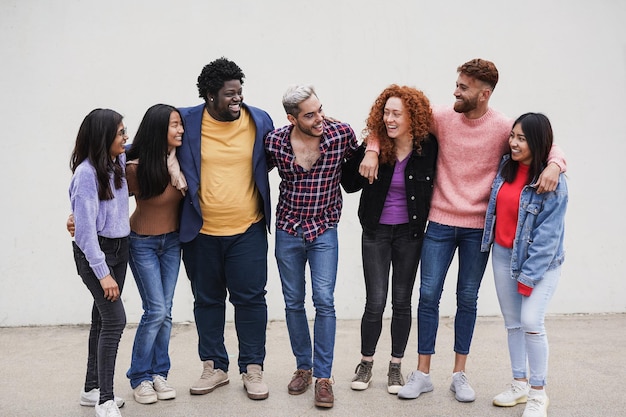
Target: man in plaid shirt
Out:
[308,154]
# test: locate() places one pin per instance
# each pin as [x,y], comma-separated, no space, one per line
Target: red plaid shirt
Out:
[312,199]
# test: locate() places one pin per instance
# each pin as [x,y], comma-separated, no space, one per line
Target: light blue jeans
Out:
[155,263]
[292,254]
[524,317]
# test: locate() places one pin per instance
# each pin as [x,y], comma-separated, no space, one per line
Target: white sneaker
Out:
[108,409]
[144,393]
[461,388]
[163,390]
[537,404]
[91,398]
[417,384]
[516,394]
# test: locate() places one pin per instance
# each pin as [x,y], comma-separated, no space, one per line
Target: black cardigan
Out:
[419,177]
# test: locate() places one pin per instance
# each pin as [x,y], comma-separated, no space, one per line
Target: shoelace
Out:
[395,377]
[145,386]
[534,404]
[160,384]
[254,377]
[462,380]
[301,373]
[324,384]
[207,373]
[361,371]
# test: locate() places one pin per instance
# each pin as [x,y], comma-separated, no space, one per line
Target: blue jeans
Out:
[108,319]
[388,246]
[155,262]
[235,264]
[292,254]
[524,317]
[440,243]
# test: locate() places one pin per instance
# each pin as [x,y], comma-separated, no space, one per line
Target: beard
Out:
[467,105]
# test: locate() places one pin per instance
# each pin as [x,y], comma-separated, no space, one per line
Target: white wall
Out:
[60,59]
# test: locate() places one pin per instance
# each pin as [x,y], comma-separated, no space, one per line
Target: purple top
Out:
[395,210]
[94,217]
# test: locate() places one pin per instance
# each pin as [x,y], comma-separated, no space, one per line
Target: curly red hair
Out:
[419,113]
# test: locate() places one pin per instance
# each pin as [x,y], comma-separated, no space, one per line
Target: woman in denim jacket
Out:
[527,257]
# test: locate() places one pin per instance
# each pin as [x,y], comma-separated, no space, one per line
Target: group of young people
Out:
[199,176]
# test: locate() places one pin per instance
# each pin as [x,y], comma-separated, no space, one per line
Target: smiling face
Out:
[117,146]
[310,120]
[174,131]
[520,151]
[396,119]
[225,106]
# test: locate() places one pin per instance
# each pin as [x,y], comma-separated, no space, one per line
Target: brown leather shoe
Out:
[324,393]
[300,381]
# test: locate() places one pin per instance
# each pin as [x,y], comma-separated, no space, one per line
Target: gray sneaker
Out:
[395,381]
[211,378]
[461,388]
[253,382]
[417,384]
[363,376]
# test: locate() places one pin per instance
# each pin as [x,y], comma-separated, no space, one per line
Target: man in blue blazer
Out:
[224,222]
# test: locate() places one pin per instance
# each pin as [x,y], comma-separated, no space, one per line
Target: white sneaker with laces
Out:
[537,404]
[418,383]
[144,393]
[91,398]
[516,394]
[461,388]
[108,409]
[162,388]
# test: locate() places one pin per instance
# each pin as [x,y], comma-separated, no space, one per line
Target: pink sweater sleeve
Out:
[558,157]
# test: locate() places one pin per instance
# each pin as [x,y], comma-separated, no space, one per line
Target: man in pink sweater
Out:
[472,139]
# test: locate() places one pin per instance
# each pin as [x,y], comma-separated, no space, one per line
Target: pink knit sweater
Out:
[470,151]
[469,154]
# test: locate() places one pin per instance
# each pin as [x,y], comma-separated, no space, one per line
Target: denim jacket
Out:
[538,244]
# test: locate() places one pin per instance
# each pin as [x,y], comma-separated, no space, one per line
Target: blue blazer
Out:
[189,157]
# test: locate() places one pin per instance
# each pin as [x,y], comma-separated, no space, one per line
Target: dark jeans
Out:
[235,264]
[108,319]
[389,245]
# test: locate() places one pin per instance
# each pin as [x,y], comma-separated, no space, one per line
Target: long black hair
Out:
[150,148]
[539,137]
[95,136]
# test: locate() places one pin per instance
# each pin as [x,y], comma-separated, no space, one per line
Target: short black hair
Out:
[215,74]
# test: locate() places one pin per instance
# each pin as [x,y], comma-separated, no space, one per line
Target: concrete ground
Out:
[43,370]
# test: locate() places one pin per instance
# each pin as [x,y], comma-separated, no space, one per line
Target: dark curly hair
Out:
[419,113]
[482,70]
[215,74]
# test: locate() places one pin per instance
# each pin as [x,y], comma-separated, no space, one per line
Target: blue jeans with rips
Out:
[524,317]
[292,254]
[440,244]
[234,265]
[155,262]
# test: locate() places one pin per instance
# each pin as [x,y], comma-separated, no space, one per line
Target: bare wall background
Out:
[61,59]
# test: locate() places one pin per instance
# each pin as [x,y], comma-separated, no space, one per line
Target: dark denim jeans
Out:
[440,243]
[235,264]
[108,319]
[155,262]
[292,255]
[388,246]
